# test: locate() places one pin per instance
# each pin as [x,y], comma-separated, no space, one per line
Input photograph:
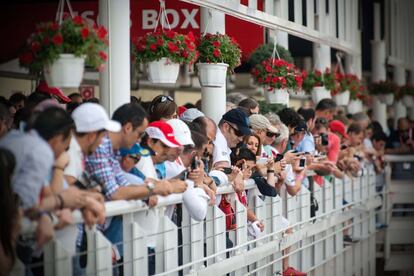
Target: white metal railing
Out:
[316,242]
[395,216]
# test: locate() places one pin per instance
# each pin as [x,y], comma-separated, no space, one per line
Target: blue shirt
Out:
[161,170]
[307,144]
[103,164]
[34,161]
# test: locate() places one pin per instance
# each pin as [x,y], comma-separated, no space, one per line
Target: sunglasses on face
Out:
[271,134]
[237,132]
[134,157]
[161,99]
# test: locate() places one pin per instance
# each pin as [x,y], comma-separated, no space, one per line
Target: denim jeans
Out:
[114,233]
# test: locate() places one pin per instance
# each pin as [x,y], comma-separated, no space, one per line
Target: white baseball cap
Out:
[164,132]
[191,114]
[91,117]
[181,132]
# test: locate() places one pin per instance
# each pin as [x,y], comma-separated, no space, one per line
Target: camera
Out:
[227,170]
[279,157]
[324,139]
[87,182]
[302,162]
[194,163]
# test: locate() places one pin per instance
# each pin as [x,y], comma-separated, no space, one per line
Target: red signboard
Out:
[17,21]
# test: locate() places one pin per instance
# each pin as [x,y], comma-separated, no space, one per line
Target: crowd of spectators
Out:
[59,153]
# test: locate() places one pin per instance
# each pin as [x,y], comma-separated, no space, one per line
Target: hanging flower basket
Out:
[319,93]
[212,74]
[219,54]
[66,71]
[277,96]
[275,75]
[407,92]
[385,90]
[163,52]
[355,106]
[163,71]
[61,51]
[342,98]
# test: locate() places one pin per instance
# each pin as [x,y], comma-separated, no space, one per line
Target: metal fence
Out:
[315,242]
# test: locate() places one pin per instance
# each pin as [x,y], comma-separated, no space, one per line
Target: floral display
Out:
[277,74]
[219,48]
[351,83]
[383,87]
[178,48]
[73,36]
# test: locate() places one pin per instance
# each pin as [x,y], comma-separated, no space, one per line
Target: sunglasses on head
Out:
[271,134]
[161,99]
[237,132]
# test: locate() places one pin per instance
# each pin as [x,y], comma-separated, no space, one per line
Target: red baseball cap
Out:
[181,110]
[162,131]
[338,126]
[44,88]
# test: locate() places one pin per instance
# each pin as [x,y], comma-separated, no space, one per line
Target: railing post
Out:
[215,233]
[193,240]
[99,254]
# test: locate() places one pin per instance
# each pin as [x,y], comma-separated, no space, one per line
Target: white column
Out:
[114,84]
[282,11]
[321,56]
[213,100]
[399,109]
[378,53]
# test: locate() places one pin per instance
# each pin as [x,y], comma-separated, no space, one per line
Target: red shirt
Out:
[333,147]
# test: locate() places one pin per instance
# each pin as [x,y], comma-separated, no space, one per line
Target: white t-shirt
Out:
[173,169]
[75,166]
[221,151]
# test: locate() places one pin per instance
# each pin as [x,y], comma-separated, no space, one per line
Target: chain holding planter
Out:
[164,50]
[219,55]
[60,49]
[342,96]
[277,76]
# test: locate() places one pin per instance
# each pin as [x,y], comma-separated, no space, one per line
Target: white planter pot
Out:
[277,96]
[67,71]
[163,71]
[388,99]
[319,93]
[355,106]
[342,98]
[212,74]
[408,101]
[300,93]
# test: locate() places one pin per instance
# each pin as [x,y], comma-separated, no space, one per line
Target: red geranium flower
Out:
[153,47]
[57,39]
[103,55]
[35,46]
[102,32]
[85,32]
[46,40]
[216,53]
[191,37]
[172,47]
[216,43]
[78,20]
[54,26]
[185,54]
[160,42]
[170,34]
[268,68]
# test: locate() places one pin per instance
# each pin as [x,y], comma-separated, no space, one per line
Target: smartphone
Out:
[182,175]
[194,164]
[279,157]
[261,161]
[302,162]
[227,170]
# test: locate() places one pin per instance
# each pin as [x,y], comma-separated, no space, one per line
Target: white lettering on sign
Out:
[175,19]
[189,19]
[149,19]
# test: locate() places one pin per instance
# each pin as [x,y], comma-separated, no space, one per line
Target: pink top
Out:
[333,147]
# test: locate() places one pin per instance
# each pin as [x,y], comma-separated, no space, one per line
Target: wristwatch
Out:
[150,187]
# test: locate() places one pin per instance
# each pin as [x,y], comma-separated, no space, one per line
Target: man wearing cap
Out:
[191,114]
[266,132]
[338,128]
[233,126]
[103,165]
[308,142]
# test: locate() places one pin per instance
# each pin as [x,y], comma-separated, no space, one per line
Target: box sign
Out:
[19,20]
